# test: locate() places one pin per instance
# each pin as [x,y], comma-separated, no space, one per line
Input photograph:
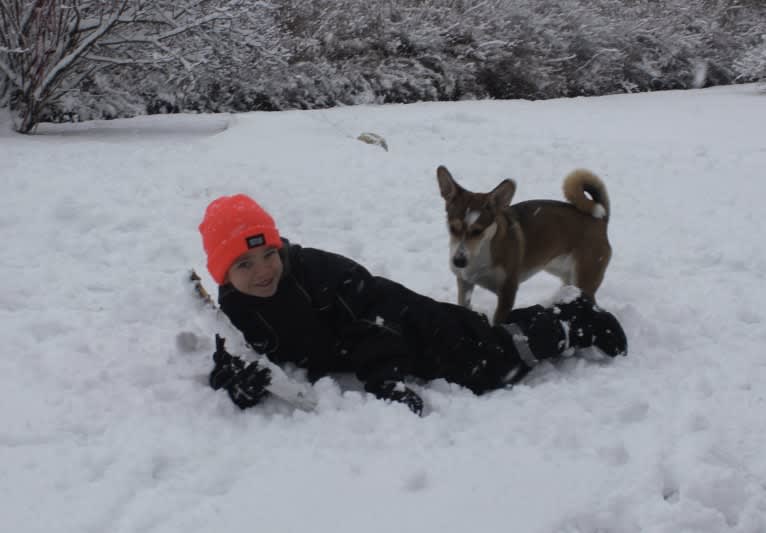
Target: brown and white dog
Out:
[497,246]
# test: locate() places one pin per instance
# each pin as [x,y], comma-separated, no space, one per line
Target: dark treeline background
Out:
[299,54]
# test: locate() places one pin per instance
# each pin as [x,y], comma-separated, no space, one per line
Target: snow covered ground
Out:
[106,425]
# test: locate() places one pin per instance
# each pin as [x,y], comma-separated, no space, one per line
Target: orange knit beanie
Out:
[233,225]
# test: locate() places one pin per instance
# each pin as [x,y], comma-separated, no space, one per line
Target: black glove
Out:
[396,391]
[227,366]
[245,382]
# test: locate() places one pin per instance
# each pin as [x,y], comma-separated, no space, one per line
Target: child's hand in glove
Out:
[245,382]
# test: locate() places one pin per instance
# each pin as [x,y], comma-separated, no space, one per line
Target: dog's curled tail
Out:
[587,192]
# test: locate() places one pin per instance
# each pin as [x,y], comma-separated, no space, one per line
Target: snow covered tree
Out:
[47,47]
[82,59]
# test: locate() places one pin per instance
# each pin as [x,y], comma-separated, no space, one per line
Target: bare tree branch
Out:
[65,62]
[129,61]
[48,44]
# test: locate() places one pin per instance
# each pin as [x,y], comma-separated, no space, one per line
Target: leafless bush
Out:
[48,47]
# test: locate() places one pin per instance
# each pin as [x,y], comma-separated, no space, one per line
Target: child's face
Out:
[256,272]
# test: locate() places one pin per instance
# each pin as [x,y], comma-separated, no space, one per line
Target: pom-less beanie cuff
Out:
[233,225]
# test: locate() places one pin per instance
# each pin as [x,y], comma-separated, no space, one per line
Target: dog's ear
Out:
[502,195]
[447,184]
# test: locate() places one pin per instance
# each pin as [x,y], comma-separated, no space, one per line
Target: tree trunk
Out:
[25,111]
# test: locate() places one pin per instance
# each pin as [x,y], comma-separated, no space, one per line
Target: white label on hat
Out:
[255,240]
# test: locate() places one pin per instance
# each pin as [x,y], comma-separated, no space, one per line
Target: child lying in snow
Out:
[326,313]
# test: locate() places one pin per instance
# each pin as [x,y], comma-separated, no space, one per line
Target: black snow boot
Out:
[543,332]
[586,325]
[537,333]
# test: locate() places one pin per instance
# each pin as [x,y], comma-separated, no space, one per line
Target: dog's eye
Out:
[474,232]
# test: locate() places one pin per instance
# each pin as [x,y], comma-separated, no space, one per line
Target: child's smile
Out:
[257,272]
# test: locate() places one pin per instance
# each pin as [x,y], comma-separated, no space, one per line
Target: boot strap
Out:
[521,344]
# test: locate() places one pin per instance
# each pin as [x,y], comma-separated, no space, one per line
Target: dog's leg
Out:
[589,272]
[464,292]
[505,298]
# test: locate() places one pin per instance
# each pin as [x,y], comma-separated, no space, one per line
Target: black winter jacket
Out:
[329,314]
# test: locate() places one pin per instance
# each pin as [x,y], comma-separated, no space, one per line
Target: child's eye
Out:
[270,253]
[244,265]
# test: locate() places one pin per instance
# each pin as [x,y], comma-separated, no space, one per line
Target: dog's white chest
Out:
[480,271]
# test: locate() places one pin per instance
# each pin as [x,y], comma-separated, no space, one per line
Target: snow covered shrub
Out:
[49,48]
[751,65]
[293,54]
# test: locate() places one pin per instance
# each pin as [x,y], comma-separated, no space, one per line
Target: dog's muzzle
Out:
[460,261]
[459,258]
